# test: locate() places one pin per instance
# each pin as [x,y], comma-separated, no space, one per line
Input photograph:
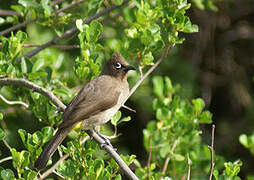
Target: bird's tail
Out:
[51,147]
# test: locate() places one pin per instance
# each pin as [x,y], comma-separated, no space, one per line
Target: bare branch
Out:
[13,102]
[212,153]
[73,3]
[56,2]
[8,13]
[114,154]
[128,108]
[34,87]
[5,159]
[150,70]
[63,47]
[169,156]
[6,144]
[71,31]
[16,27]
[189,166]
[149,156]
[50,170]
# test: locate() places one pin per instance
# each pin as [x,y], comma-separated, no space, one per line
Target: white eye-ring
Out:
[118,66]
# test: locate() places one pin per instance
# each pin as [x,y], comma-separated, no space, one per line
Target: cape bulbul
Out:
[94,105]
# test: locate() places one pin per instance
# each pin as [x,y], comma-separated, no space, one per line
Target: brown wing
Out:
[98,95]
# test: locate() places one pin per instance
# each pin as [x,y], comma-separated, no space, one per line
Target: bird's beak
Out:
[127,68]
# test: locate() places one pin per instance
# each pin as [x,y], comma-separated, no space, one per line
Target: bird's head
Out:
[117,66]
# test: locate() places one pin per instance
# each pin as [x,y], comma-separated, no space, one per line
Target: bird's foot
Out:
[106,141]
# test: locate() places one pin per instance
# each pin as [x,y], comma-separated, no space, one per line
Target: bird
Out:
[94,105]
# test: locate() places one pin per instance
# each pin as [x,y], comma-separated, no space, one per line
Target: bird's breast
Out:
[104,116]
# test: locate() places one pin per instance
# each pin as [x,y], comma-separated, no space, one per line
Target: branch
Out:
[16,27]
[189,166]
[114,154]
[50,170]
[149,156]
[61,46]
[8,13]
[13,102]
[150,70]
[212,153]
[73,3]
[34,87]
[71,31]
[169,156]
[5,159]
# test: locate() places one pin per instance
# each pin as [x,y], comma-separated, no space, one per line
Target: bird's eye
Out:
[118,66]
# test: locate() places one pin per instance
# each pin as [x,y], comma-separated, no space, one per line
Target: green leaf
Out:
[38,65]
[2,20]
[37,75]
[118,177]
[23,135]
[2,134]
[158,86]
[23,65]
[126,119]
[1,116]
[116,118]
[46,6]
[79,25]
[47,134]
[93,32]
[199,105]
[178,157]
[117,2]
[21,36]
[7,174]
[232,169]
[206,117]
[29,3]
[147,59]
[164,151]
[243,139]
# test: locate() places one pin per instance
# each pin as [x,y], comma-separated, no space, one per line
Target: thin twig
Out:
[149,155]
[16,27]
[212,153]
[71,31]
[189,166]
[5,159]
[50,170]
[128,108]
[8,13]
[72,4]
[34,87]
[56,2]
[6,144]
[150,70]
[58,174]
[13,102]
[63,47]
[169,156]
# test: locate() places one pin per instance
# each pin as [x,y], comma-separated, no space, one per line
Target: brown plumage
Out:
[94,105]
